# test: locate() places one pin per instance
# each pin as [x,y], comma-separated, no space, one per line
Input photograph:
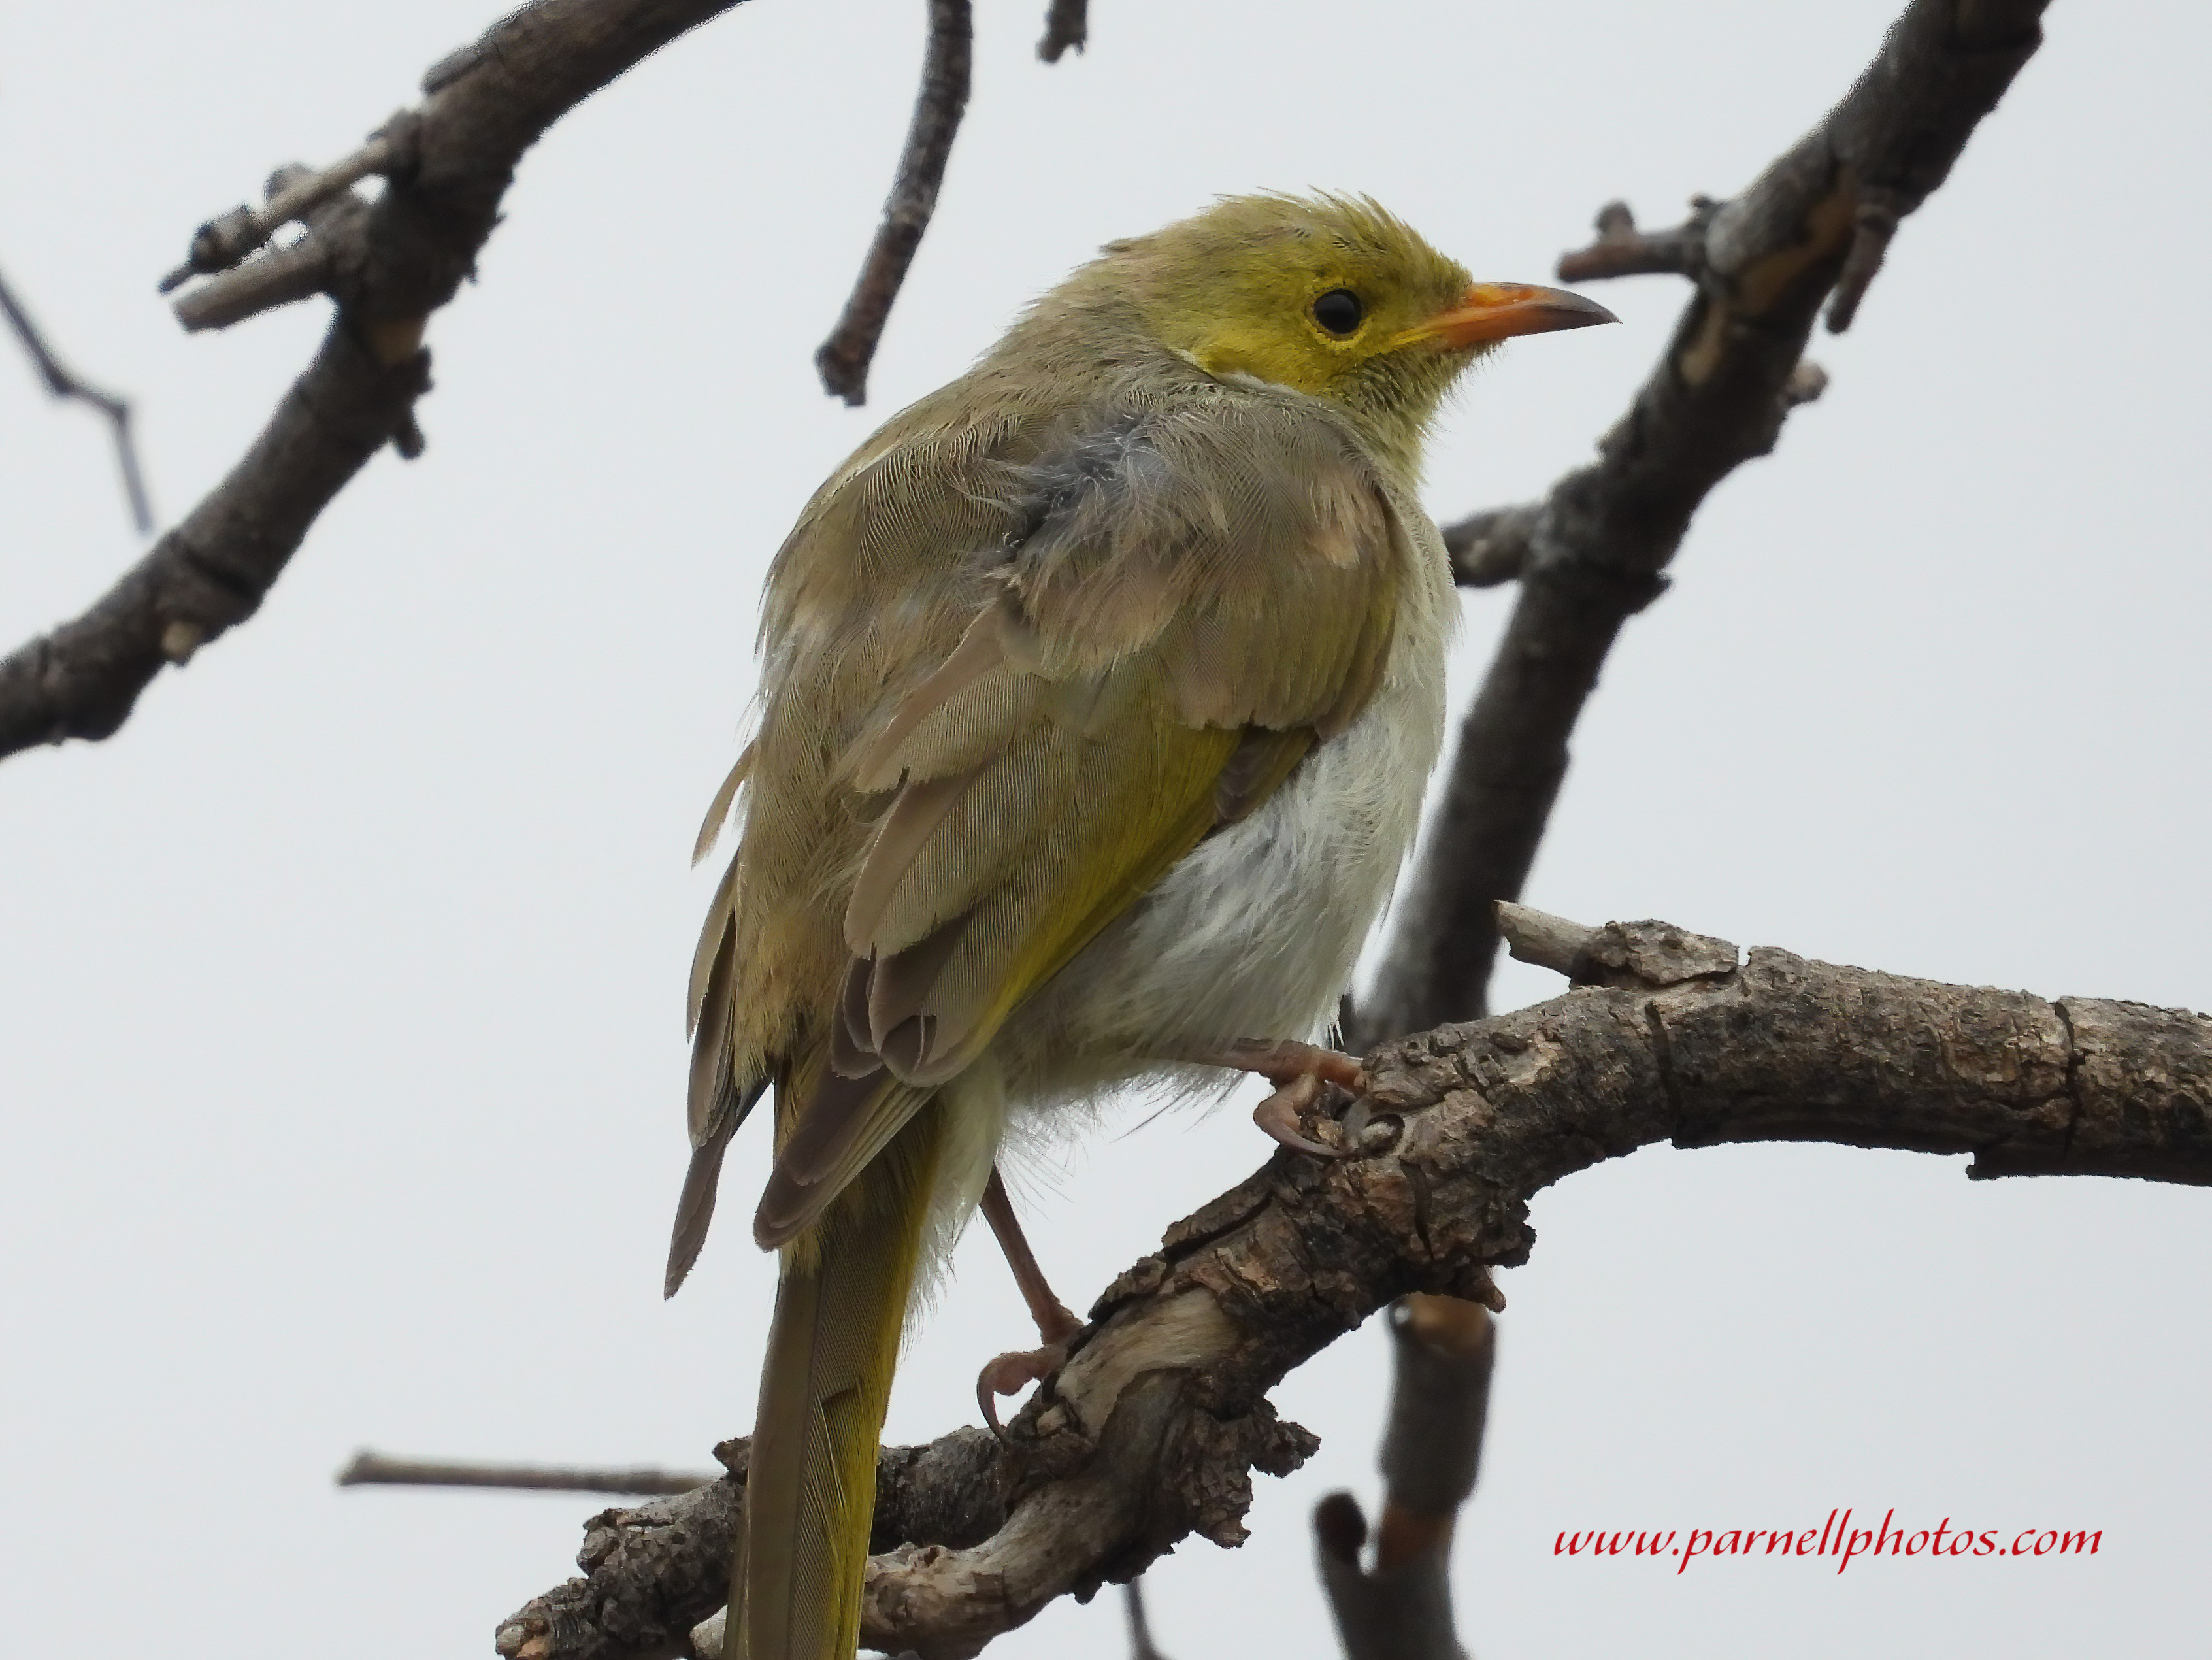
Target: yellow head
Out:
[1329,295]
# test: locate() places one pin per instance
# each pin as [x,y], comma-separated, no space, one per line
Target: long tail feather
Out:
[811,1493]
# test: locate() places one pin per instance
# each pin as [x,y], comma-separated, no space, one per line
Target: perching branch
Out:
[845,356]
[388,265]
[373,1470]
[1591,554]
[1149,1433]
[64,385]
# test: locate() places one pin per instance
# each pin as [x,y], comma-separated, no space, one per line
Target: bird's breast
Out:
[1255,933]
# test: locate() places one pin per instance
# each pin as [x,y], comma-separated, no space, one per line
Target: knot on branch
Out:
[1647,956]
[1651,955]
[1486,548]
[1873,221]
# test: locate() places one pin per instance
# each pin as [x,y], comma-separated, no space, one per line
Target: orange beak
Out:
[1498,311]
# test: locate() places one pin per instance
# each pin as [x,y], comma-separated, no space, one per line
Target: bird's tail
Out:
[811,1492]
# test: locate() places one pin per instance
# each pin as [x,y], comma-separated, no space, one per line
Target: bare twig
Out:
[278,276]
[64,385]
[845,356]
[1141,1646]
[1548,941]
[1066,23]
[388,265]
[1621,250]
[1148,1433]
[1400,1608]
[223,243]
[373,1470]
[1599,542]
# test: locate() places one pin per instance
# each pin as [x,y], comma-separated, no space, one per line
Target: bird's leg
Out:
[1017,1369]
[1299,1072]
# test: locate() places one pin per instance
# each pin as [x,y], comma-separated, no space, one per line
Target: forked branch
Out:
[1593,552]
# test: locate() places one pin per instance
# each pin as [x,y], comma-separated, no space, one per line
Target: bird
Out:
[1099,689]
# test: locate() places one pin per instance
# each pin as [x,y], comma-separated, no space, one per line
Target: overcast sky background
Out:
[341,995]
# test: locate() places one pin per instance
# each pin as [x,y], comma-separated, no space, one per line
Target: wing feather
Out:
[1198,590]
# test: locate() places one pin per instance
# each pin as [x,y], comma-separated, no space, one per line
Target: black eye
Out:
[1339,311]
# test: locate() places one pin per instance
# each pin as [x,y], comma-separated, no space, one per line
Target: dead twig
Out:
[846,355]
[1621,250]
[63,384]
[224,242]
[373,1470]
[1066,23]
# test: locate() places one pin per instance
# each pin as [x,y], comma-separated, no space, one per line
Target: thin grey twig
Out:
[63,384]
[373,1470]
[844,357]
[1066,23]
[1141,1646]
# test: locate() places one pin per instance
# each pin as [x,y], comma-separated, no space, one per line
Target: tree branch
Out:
[1066,23]
[1400,1608]
[1149,1433]
[1590,555]
[845,356]
[62,383]
[1141,1645]
[373,1470]
[388,263]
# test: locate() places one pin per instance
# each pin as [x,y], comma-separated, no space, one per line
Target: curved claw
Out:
[1012,1372]
[1278,1115]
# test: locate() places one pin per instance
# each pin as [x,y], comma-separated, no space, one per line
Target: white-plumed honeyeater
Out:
[1099,691]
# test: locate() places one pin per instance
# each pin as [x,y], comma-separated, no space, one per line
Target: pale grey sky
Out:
[341,996]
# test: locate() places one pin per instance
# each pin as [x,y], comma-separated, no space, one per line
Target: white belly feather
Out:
[1253,935]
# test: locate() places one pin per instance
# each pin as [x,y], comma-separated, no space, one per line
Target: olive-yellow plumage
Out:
[1099,691]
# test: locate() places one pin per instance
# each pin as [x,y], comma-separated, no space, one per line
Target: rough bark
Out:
[1149,1433]
[1591,555]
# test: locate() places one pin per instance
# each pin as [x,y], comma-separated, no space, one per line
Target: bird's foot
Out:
[1015,1369]
[1281,1116]
[1301,1074]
